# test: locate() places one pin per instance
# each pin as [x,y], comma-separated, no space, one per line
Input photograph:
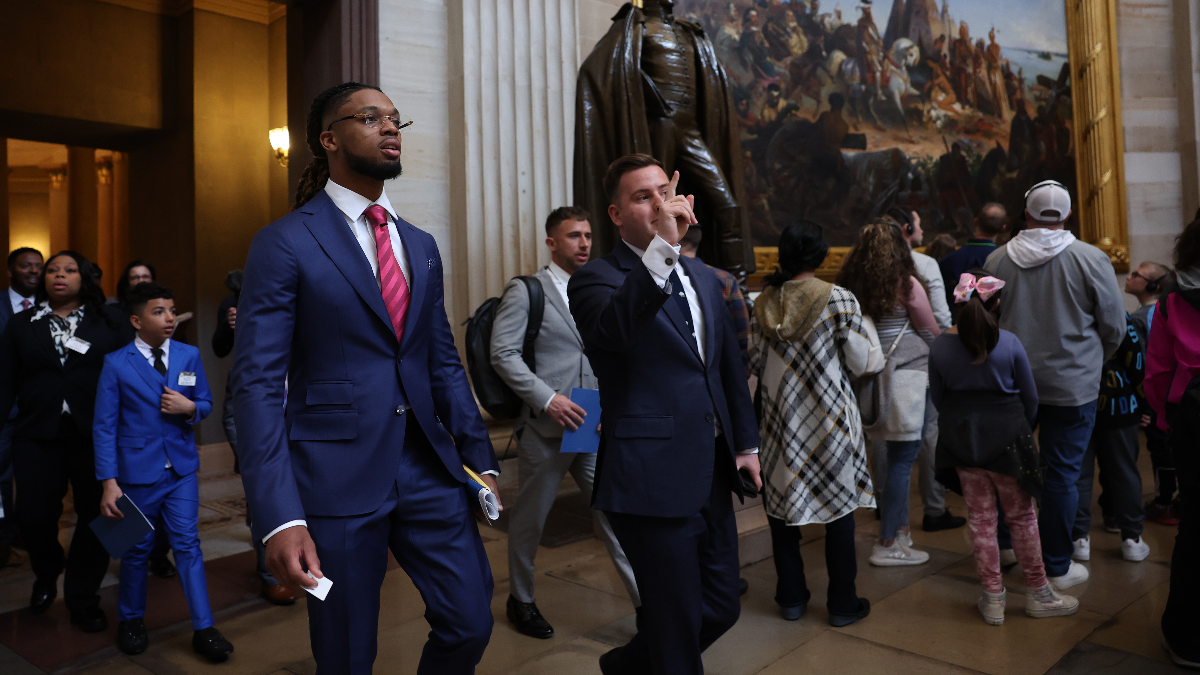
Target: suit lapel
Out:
[333,235]
[143,368]
[45,338]
[550,290]
[677,318]
[419,267]
[706,308]
[175,366]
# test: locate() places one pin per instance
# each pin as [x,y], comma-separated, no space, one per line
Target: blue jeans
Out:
[1064,433]
[893,505]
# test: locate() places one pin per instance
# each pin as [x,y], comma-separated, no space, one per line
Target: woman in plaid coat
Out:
[808,342]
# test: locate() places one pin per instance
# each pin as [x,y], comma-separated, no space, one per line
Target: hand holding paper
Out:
[482,488]
[322,588]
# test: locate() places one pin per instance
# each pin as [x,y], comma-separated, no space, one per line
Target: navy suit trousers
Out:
[428,523]
[687,572]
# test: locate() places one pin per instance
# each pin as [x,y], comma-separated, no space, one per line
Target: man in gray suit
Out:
[560,365]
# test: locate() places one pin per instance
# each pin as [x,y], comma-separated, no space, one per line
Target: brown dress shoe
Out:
[278,595]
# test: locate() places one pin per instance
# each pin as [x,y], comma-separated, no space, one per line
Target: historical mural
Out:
[847,109]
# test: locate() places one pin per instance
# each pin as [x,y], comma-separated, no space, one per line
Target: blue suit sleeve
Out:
[105,417]
[202,394]
[452,398]
[263,340]
[611,317]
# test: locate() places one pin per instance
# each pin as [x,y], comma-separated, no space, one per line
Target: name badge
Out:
[78,345]
[187,379]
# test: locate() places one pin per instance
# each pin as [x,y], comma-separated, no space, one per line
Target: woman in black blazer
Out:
[50,360]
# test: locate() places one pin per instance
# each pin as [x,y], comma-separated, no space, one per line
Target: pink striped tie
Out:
[391,279]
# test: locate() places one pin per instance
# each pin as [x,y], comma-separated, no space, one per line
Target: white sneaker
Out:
[991,606]
[1076,574]
[897,555]
[1007,557]
[905,538]
[1135,550]
[1045,601]
[1083,550]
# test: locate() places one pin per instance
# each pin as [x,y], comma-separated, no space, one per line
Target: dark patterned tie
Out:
[158,362]
[680,298]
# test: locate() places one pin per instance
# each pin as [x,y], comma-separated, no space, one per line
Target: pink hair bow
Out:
[986,287]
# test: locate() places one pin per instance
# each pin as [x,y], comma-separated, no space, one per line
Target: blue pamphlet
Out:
[118,536]
[586,438]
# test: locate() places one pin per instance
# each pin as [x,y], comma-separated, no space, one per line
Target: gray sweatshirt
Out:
[1069,316]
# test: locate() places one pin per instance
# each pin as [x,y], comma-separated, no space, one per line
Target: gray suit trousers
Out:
[540,470]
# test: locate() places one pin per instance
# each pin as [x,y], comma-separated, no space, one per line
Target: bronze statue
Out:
[653,85]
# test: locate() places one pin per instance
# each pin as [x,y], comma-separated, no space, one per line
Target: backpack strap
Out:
[896,342]
[537,306]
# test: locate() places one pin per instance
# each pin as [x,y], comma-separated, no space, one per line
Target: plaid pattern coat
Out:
[813,451]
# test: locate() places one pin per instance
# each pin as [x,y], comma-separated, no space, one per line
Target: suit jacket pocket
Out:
[647,426]
[131,442]
[324,426]
[329,393]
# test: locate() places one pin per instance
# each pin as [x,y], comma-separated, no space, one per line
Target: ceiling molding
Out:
[258,11]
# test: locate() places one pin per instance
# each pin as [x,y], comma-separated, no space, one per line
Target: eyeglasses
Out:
[371,120]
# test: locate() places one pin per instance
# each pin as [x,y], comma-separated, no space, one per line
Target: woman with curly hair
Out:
[880,272]
[807,344]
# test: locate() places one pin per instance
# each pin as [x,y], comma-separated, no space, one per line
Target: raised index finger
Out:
[671,187]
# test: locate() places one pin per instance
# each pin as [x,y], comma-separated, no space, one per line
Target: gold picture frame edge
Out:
[1102,216]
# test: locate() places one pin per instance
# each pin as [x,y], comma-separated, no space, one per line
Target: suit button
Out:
[401,410]
[708,418]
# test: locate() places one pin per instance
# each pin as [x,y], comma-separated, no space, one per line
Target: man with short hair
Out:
[24,266]
[559,367]
[678,422]
[1062,301]
[989,223]
[1147,283]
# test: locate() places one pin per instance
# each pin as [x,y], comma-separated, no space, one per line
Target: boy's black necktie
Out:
[158,362]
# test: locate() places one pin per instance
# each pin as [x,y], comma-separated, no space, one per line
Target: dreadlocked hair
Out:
[316,174]
[879,269]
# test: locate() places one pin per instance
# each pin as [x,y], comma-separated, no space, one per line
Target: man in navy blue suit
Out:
[677,422]
[24,266]
[345,300]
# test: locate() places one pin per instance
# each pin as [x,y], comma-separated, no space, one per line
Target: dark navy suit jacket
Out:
[132,436]
[659,400]
[311,310]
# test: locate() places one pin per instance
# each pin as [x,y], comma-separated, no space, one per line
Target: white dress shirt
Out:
[661,258]
[15,299]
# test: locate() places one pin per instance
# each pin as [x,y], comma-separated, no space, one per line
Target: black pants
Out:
[791,590]
[43,471]
[1116,450]
[1180,622]
[1163,464]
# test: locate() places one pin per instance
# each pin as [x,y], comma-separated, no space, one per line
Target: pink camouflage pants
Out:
[980,487]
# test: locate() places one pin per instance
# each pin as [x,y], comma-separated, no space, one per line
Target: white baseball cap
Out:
[1048,202]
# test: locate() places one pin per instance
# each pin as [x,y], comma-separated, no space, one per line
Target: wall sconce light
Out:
[280,144]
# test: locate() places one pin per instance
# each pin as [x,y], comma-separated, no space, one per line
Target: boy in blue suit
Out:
[151,394]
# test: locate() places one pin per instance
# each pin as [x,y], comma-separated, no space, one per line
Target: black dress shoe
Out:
[90,619]
[743,586]
[43,596]
[638,621]
[209,643]
[793,613]
[131,636]
[839,620]
[162,568]
[946,521]
[610,662]
[528,620]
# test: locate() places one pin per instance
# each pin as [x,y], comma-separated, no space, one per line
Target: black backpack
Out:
[500,401]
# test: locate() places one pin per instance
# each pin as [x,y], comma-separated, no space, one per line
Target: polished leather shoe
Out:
[610,662]
[278,595]
[209,643]
[743,586]
[162,567]
[131,636]
[528,620]
[90,619]
[946,521]
[793,613]
[43,596]
[839,620]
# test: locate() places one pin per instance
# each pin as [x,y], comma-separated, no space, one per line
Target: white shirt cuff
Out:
[290,523]
[489,473]
[546,405]
[660,258]
[751,451]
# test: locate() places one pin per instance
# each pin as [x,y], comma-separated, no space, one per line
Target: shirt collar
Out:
[43,310]
[558,273]
[15,298]
[148,351]
[639,251]
[353,204]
